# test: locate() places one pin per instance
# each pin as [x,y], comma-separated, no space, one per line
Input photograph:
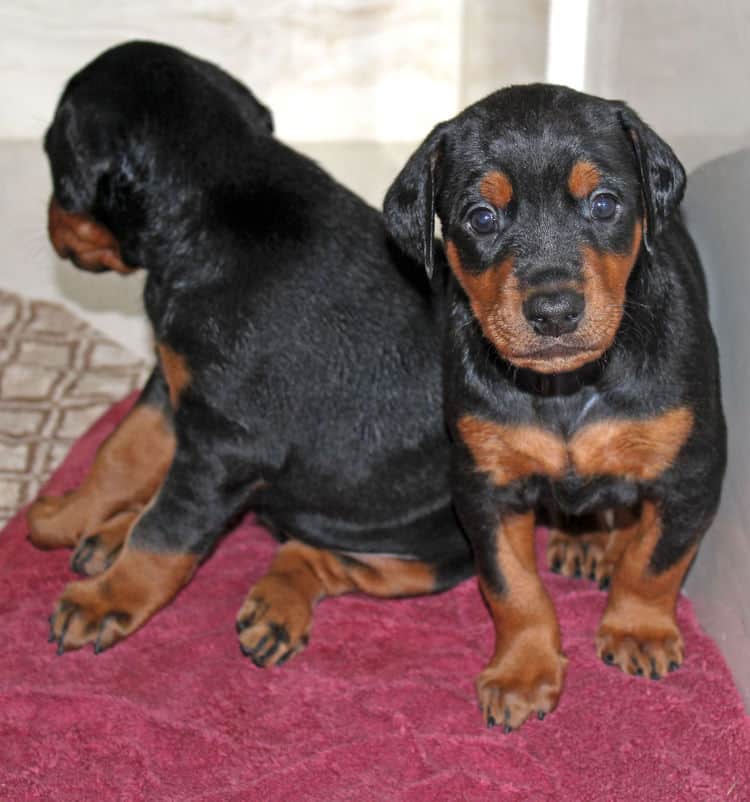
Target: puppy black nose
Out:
[554,313]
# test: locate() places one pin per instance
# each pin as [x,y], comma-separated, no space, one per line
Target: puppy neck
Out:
[554,384]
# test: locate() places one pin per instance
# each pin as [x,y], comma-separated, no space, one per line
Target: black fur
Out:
[663,354]
[315,391]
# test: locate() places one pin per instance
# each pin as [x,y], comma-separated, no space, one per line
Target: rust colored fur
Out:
[584,178]
[496,188]
[633,449]
[274,622]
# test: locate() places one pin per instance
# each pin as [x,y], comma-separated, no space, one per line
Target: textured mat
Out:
[57,376]
[379,707]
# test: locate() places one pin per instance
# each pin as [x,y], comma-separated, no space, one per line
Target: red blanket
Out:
[379,707]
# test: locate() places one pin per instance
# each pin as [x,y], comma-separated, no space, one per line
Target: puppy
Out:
[581,372]
[297,369]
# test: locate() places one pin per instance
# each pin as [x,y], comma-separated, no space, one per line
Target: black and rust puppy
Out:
[581,371]
[297,371]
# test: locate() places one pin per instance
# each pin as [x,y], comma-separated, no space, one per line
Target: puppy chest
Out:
[636,450]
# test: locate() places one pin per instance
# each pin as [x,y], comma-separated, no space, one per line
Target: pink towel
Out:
[380,706]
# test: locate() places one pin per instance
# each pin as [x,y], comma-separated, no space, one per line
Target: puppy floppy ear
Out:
[662,174]
[409,205]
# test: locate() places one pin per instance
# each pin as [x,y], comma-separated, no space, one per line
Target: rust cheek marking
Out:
[613,269]
[606,277]
[496,188]
[489,291]
[583,179]
[509,453]
[176,372]
[640,450]
[485,289]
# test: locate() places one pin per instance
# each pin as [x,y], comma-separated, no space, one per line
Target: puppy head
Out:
[131,124]
[545,197]
[82,145]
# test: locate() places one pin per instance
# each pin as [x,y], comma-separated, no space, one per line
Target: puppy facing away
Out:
[297,375]
[581,372]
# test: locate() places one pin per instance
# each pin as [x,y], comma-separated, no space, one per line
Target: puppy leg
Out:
[275,620]
[208,483]
[639,630]
[128,468]
[526,672]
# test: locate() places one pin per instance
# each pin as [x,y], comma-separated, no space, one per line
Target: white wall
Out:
[331,70]
[342,69]
[684,65]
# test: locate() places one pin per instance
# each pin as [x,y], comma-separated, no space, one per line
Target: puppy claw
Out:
[640,653]
[97,552]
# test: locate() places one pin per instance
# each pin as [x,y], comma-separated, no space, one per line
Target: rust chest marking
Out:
[638,450]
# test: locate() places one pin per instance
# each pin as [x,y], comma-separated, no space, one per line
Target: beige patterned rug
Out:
[57,376]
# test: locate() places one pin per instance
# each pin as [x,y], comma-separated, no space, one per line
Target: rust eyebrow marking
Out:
[636,449]
[176,372]
[509,453]
[584,178]
[497,189]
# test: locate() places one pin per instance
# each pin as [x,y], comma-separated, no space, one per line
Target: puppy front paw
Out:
[641,647]
[525,680]
[105,609]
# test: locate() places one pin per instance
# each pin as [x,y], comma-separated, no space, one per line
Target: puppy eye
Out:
[604,206]
[482,220]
